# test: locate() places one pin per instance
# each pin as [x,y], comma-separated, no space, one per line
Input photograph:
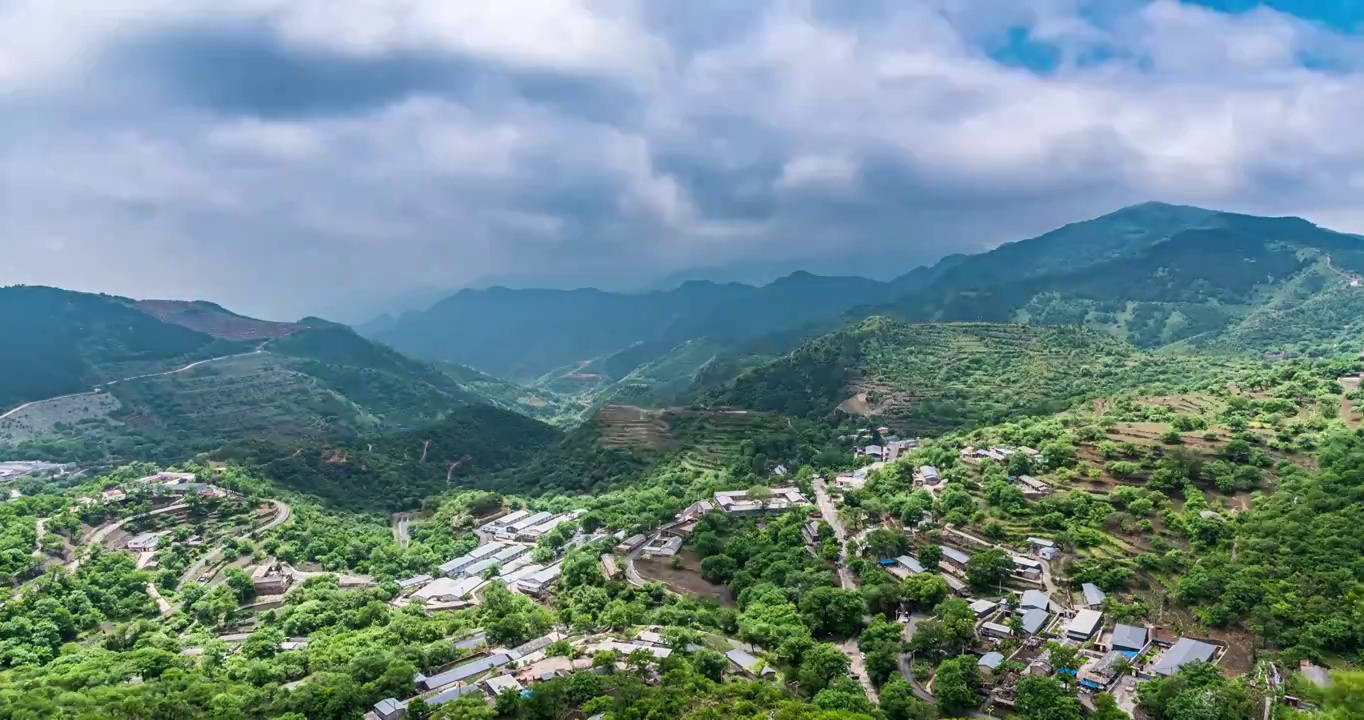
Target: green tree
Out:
[956,683]
[833,611]
[1045,698]
[821,665]
[898,702]
[989,569]
[930,556]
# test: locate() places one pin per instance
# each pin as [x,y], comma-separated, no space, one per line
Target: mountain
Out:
[1160,275]
[932,378]
[525,334]
[103,378]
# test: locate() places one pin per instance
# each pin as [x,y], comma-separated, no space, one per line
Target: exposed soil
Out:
[630,426]
[213,320]
[684,580]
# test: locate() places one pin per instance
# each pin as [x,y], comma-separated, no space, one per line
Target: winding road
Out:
[282,514]
[96,391]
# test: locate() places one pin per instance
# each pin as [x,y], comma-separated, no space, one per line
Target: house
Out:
[651,637]
[462,672]
[1094,597]
[910,564]
[472,642]
[873,451]
[609,569]
[1040,543]
[539,582]
[450,694]
[1034,600]
[1033,621]
[390,709]
[452,568]
[695,510]
[990,661]
[851,482]
[981,608]
[957,586]
[780,471]
[1084,624]
[508,519]
[498,559]
[1099,673]
[629,544]
[510,579]
[270,579]
[1129,638]
[416,581]
[991,629]
[739,502]
[810,531]
[1027,567]
[749,665]
[1031,486]
[529,521]
[517,564]
[163,478]
[930,475]
[502,683]
[955,556]
[896,448]
[667,548]
[534,533]
[1183,652]
[113,495]
[144,542]
[448,590]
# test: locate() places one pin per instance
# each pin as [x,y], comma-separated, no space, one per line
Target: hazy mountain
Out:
[109,378]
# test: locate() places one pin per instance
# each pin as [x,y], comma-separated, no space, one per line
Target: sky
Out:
[291,157]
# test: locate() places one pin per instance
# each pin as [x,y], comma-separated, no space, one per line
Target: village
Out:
[1020,625]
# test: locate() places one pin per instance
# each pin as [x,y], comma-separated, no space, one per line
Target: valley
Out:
[1112,471]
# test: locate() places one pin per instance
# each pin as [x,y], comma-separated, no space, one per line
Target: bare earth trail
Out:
[176,371]
[847,580]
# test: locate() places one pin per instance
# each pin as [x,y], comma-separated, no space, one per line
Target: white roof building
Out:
[1084,624]
[737,502]
[537,583]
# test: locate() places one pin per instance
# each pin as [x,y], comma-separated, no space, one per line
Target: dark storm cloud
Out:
[282,156]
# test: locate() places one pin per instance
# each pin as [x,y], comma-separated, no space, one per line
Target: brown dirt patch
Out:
[684,580]
[213,320]
[856,405]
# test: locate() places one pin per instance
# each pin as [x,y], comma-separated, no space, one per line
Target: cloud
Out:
[302,156]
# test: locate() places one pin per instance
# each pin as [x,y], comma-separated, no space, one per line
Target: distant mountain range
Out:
[1154,274]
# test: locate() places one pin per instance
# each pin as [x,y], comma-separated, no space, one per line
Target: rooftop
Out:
[1185,651]
[1034,599]
[914,565]
[1093,595]
[1033,621]
[955,555]
[991,660]
[466,671]
[1129,637]
[1084,624]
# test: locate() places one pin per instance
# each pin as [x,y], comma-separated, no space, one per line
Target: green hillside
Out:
[396,471]
[928,378]
[1158,275]
[166,390]
[60,342]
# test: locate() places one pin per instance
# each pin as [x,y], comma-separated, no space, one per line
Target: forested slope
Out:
[929,378]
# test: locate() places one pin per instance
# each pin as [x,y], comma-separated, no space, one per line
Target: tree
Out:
[956,683]
[845,694]
[898,702]
[924,591]
[240,584]
[1045,698]
[883,599]
[930,556]
[710,664]
[1063,657]
[1106,708]
[886,543]
[989,569]
[820,665]
[833,611]
[719,568]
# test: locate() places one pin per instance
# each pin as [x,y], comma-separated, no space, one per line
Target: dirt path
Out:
[847,580]
[186,368]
